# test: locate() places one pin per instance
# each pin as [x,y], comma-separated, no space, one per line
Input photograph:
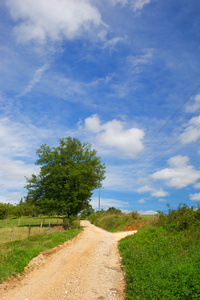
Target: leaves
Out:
[69,173]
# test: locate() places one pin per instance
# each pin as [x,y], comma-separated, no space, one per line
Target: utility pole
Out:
[99,199]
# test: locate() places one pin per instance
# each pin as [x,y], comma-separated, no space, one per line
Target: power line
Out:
[158,132]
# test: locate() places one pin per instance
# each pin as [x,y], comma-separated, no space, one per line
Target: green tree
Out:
[68,175]
[86,212]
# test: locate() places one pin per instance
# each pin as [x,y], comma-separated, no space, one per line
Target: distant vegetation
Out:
[162,261]
[114,220]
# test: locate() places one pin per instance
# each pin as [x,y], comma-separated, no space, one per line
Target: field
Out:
[21,230]
[15,255]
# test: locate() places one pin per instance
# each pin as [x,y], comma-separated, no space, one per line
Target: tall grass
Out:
[162,261]
[15,256]
[114,220]
[22,227]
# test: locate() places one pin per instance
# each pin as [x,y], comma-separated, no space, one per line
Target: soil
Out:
[86,267]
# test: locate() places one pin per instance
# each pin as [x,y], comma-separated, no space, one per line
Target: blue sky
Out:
[122,75]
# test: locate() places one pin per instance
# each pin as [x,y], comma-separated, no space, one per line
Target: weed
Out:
[162,260]
[15,256]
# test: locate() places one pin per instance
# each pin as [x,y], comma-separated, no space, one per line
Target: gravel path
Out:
[85,268]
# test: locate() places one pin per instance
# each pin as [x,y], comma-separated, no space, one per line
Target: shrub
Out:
[135,215]
[70,223]
[183,218]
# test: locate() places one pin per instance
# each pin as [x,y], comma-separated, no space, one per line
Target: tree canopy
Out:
[68,175]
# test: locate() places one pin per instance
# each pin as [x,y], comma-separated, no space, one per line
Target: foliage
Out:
[68,175]
[8,210]
[4,210]
[183,218]
[85,213]
[114,211]
[71,222]
[114,220]
[162,260]
[15,256]
[135,215]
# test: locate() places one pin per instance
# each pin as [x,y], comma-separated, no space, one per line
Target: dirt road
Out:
[86,268]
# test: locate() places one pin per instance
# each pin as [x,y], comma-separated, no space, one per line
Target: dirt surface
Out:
[87,268]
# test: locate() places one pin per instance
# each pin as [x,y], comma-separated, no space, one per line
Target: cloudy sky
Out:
[122,75]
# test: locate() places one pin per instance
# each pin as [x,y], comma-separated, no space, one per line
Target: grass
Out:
[117,221]
[162,261]
[15,256]
[25,221]
[22,227]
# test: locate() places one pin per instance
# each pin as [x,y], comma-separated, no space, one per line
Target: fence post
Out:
[41,227]
[29,230]
[12,234]
[49,225]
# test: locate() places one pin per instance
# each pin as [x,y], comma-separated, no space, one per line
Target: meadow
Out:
[15,255]
[21,227]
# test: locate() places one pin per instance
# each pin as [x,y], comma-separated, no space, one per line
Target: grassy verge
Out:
[114,220]
[15,256]
[162,261]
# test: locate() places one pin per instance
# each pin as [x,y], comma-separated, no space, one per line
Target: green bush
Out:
[162,260]
[183,218]
[71,223]
[135,215]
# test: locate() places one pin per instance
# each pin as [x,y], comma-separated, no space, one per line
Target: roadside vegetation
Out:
[15,255]
[114,220]
[162,260]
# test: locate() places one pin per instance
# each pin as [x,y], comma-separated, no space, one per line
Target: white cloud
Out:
[144,189]
[12,177]
[115,2]
[36,78]
[162,200]
[195,106]
[192,131]
[135,4]
[12,173]
[54,19]
[139,4]
[195,197]
[180,174]
[113,42]
[159,193]
[113,135]
[11,197]
[93,123]
[18,139]
[106,203]
[154,192]
[141,201]
[137,61]
[18,143]
[197,185]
